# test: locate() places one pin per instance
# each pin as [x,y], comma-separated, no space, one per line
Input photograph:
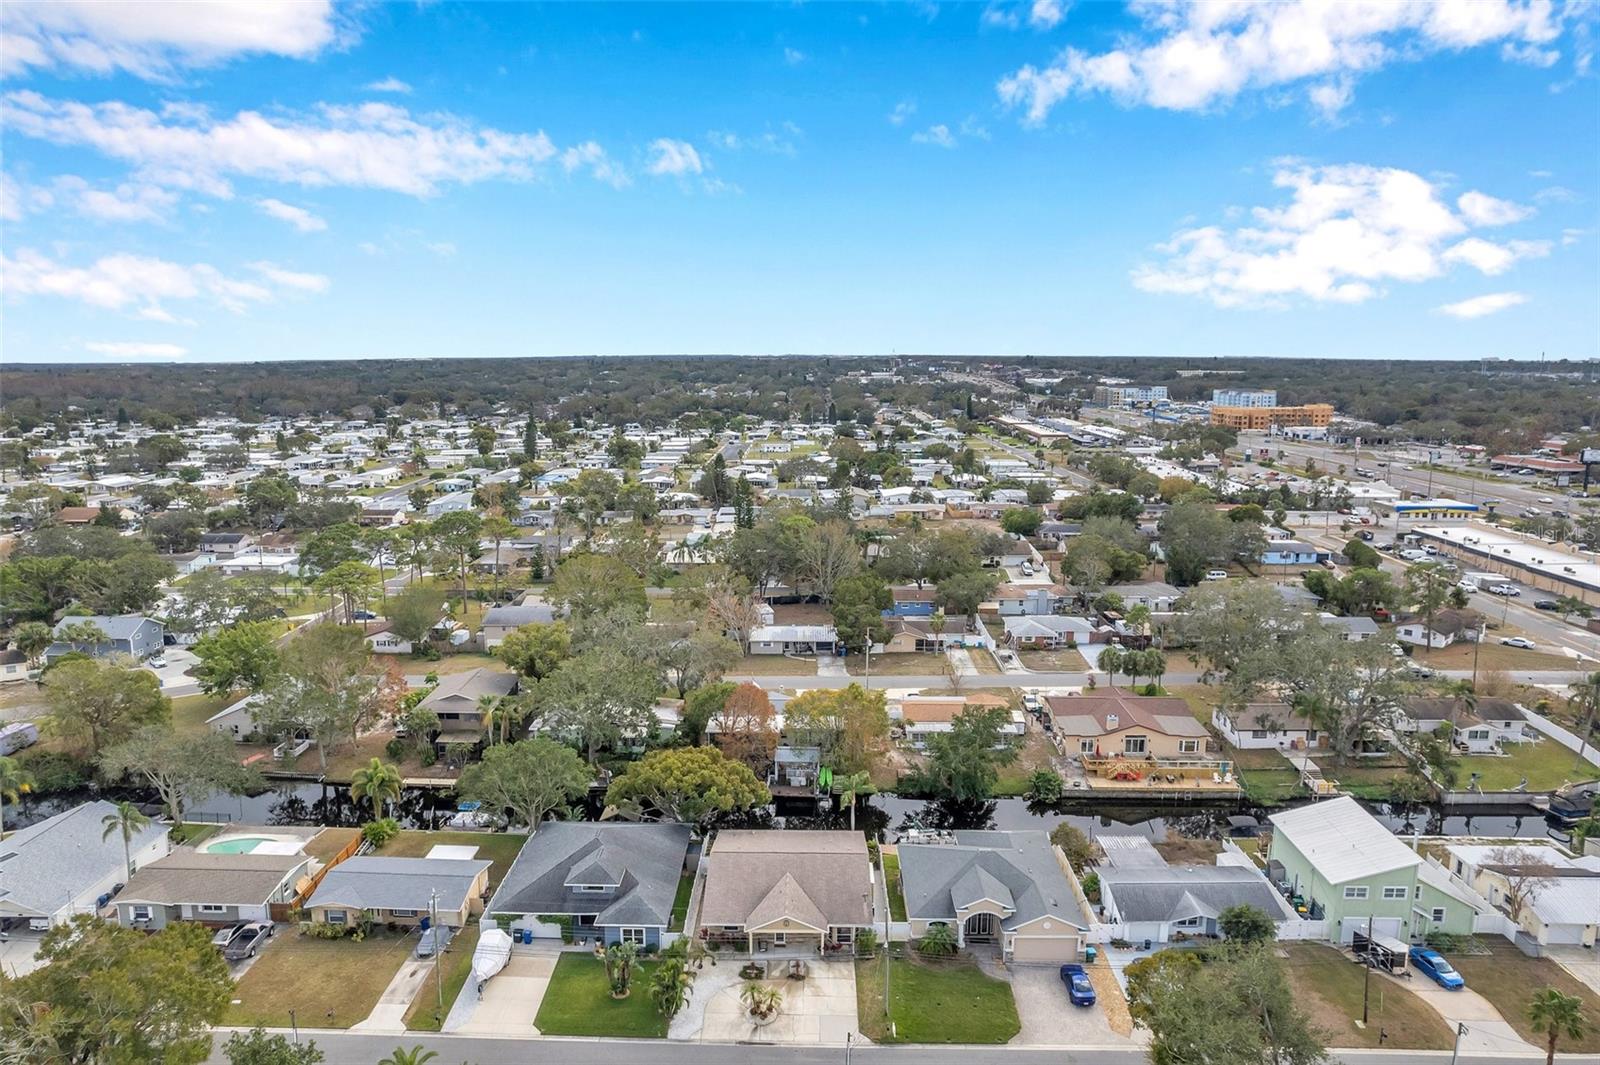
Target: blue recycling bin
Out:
[1090,954]
[527,936]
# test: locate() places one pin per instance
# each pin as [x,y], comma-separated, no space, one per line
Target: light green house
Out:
[1349,868]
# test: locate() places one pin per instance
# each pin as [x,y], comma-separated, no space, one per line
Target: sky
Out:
[247,181]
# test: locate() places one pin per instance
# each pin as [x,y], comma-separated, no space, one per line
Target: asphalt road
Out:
[351,1048]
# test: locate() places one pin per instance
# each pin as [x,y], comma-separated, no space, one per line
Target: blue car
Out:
[1433,965]
[1079,989]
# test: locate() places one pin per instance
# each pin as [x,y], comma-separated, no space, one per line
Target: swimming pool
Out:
[236,845]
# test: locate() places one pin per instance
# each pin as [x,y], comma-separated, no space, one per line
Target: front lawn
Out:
[1327,985]
[1545,763]
[891,879]
[680,902]
[500,848]
[1493,655]
[898,665]
[1508,978]
[1064,660]
[935,1002]
[425,1014]
[578,1002]
[772,666]
[189,712]
[1035,753]
[327,983]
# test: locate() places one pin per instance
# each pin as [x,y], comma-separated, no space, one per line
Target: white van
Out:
[1411,554]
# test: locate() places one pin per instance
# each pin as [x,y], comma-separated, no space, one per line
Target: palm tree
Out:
[1585,699]
[378,783]
[415,1056]
[763,1000]
[128,821]
[31,638]
[670,985]
[490,710]
[15,782]
[619,967]
[1559,1015]
[1111,662]
[851,788]
[497,527]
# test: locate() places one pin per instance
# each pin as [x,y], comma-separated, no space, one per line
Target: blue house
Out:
[912,602]
[1291,553]
[133,635]
[611,881]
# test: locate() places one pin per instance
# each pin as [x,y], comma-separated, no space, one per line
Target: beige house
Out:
[789,891]
[1120,724]
[401,891]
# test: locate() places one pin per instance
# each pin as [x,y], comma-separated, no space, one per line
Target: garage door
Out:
[1381,926]
[1045,949]
[1563,934]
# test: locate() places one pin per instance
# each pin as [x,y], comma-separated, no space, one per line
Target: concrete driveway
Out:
[175,673]
[1487,1031]
[821,1009]
[510,1000]
[1583,964]
[17,953]
[389,1015]
[1049,1018]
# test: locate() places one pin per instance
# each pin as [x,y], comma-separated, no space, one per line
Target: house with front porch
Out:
[400,891]
[610,881]
[1161,903]
[793,640]
[1447,627]
[1119,725]
[1007,888]
[1477,729]
[803,891]
[1047,632]
[916,635]
[1337,863]
[210,888]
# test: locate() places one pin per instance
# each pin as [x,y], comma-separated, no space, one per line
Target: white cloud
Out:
[154,40]
[1493,259]
[389,84]
[125,202]
[793,56]
[902,111]
[372,145]
[938,135]
[142,285]
[1481,210]
[971,127]
[593,158]
[1331,97]
[1046,14]
[781,141]
[299,217]
[1195,55]
[300,282]
[1478,306]
[1000,16]
[442,248]
[1346,232]
[134,349]
[674,158]
[1039,14]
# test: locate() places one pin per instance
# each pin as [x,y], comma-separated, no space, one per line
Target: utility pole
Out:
[438,947]
[1366,976]
[1461,1030]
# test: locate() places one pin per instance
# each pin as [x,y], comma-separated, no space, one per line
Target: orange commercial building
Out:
[1267,417]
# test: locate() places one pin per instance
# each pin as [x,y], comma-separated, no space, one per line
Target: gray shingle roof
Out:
[645,860]
[1176,893]
[115,627]
[372,882]
[518,616]
[211,879]
[1016,869]
[67,852]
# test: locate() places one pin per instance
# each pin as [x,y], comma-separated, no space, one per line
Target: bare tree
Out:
[828,556]
[1525,875]
[739,613]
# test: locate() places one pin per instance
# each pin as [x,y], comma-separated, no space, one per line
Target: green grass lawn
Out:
[454,968]
[891,875]
[578,1002]
[1367,781]
[943,1002]
[1327,985]
[500,848]
[1508,978]
[773,666]
[191,834]
[328,983]
[680,902]
[189,712]
[1545,763]
[897,664]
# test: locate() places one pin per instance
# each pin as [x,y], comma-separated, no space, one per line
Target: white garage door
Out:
[1381,926]
[1563,933]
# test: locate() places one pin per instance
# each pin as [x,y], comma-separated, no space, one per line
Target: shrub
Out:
[1446,942]
[938,942]
[866,944]
[1091,887]
[1081,851]
[1045,786]
[380,832]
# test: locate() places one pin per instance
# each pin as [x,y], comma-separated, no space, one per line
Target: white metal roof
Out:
[1343,841]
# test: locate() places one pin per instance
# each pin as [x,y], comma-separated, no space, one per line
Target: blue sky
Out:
[235,182]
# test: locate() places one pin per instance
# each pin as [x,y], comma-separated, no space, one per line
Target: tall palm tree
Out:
[415,1056]
[15,782]
[491,710]
[31,638]
[1111,663]
[851,788]
[378,783]
[1558,1015]
[128,821]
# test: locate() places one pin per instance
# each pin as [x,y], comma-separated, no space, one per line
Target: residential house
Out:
[458,702]
[1037,632]
[1448,627]
[1291,553]
[1012,600]
[1355,629]
[400,890]
[131,634]
[226,544]
[237,720]
[802,890]
[1122,725]
[1267,726]
[1552,897]
[923,716]
[385,641]
[500,621]
[1161,903]
[68,864]
[913,602]
[449,503]
[1008,888]
[793,640]
[1349,870]
[1158,597]
[912,635]
[210,888]
[1477,730]
[612,881]
[13,666]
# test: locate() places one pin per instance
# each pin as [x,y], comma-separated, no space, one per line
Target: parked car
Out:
[1417,669]
[1546,604]
[225,936]
[1433,965]
[1365,534]
[433,940]
[158,661]
[1519,641]
[1510,590]
[1079,989]
[363,615]
[248,940]
[1546,500]
[1216,574]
